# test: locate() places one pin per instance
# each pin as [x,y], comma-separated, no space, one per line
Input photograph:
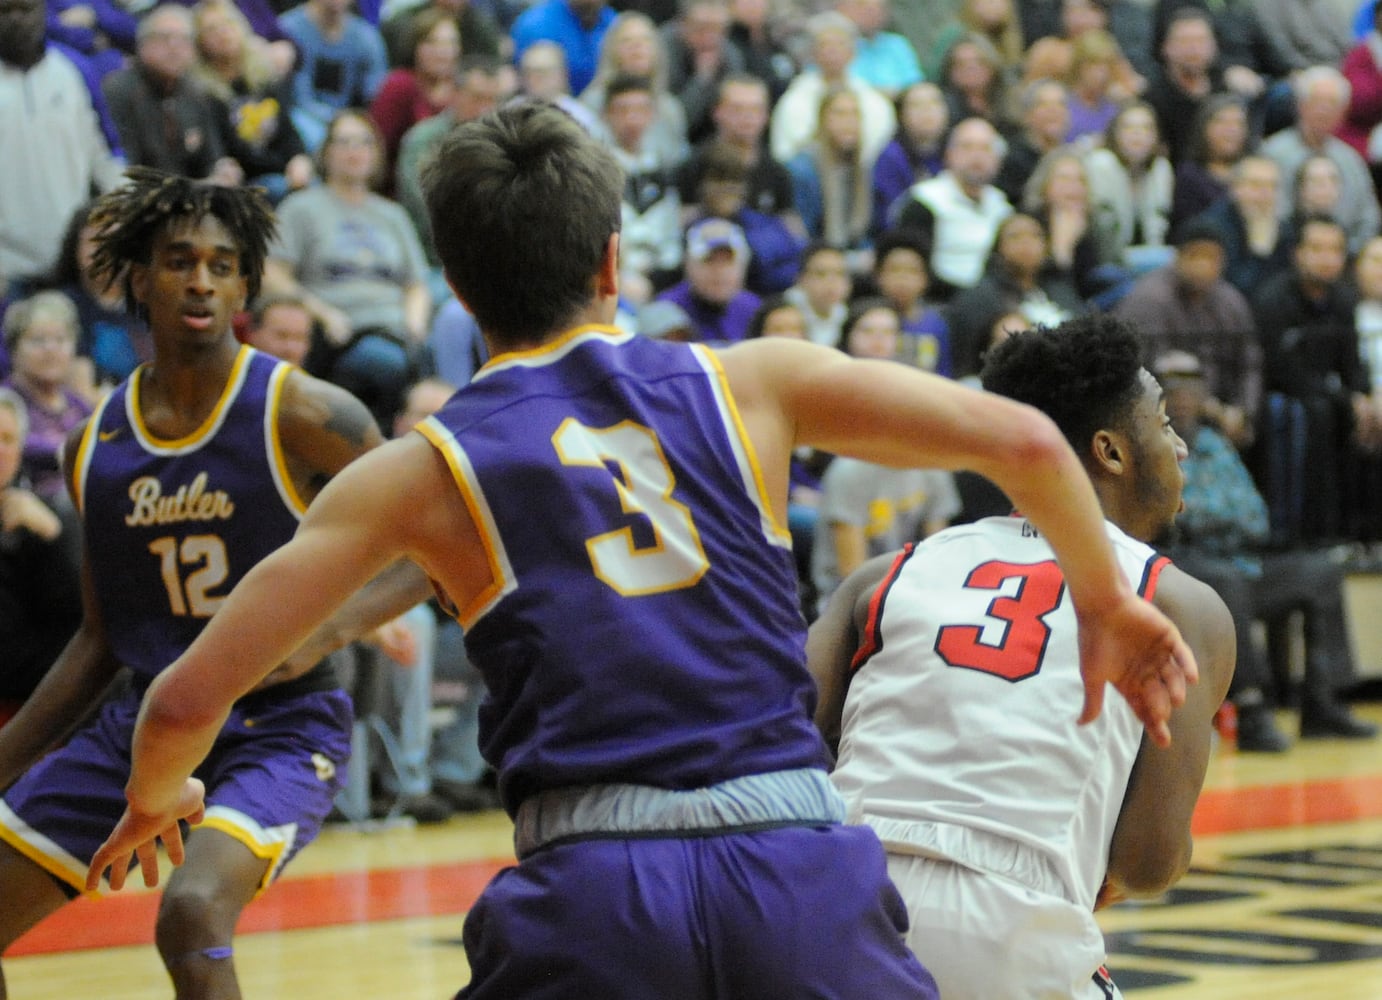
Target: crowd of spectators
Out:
[1209,169]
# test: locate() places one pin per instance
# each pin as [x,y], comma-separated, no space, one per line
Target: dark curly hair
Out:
[1083,374]
[129,219]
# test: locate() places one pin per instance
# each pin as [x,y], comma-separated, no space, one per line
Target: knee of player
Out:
[192,917]
[1153,869]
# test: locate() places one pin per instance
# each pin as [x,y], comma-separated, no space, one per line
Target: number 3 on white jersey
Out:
[644,484]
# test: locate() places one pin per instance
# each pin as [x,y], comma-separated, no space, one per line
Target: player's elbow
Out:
[1156,866]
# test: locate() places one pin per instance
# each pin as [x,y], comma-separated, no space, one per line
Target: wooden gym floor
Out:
[1284,900]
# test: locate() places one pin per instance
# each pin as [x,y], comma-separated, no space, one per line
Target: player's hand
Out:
[1138,650]
[136,837]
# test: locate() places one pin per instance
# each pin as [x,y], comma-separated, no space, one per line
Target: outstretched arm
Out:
[794,393]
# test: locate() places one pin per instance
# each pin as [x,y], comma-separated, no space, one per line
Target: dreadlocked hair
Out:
[1084,374]
[129,219]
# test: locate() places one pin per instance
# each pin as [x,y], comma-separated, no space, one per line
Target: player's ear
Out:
[139,283]
[607,281]
[1110,451]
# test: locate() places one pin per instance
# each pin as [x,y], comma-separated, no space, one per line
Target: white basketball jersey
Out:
[959,733]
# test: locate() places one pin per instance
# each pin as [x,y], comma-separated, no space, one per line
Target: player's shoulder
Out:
[315,415]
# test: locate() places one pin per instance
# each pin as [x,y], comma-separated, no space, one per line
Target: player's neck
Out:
[182,384]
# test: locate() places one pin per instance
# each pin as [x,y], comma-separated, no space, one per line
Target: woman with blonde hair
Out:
[1094,87]
[999,21]
[833,183]
[633,47]
[237,69]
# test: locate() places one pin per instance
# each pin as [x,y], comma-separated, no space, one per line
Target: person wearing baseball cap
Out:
[713,294]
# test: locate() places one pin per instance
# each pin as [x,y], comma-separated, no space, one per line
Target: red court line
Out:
[293,903]
[1270,807]
[436,890]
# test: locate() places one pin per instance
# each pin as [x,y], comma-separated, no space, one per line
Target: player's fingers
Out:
[172,843]
[97,868]
[119,868]
[1093,699]
[148,862]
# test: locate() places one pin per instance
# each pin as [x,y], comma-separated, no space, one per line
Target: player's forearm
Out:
[399,588]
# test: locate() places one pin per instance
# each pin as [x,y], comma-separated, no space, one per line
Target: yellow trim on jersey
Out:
[501,581]
[272,851]
[55,866]
[276,456]
[82,461]
[209,425]
[551,350]
[750,453]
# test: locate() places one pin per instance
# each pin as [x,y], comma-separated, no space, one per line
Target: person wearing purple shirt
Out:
[713,295]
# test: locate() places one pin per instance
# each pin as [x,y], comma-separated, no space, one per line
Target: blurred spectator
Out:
[476,94]
[480,34]
[254,106]
[1322,96]
[101,30]
[713,293]
[971,78]
[577,26]
[423,88]
[775,248]
[1256,241]
[115,339]
[958,211]
[1094,93]
[1020,278]
[1188,74]
[1311,355]
[794,118]
[650,235]
[1319,190]
[764,56]
[633,47]
[458,349]
[741,122]
[1057,194]
[899,273]
[922,22]
[165,119]
[354,258]
[916,152]
[40,592]
[281,325]
[821,291]
[1367,277]
[1217,141]
[999,21]
[542,75]
[1221,538]
[1305,33]
[699,58]
[867,509]
[1131,185]
[1188,306]
[341,64]
[54,151]
[41,337]
[882,58]
[1127,20]
[1362,68]
[1045,114]
[832,182]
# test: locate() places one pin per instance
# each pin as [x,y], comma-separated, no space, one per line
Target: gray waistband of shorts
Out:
[803,796]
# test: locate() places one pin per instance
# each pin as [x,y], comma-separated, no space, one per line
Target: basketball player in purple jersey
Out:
[191,472]
[606,516]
